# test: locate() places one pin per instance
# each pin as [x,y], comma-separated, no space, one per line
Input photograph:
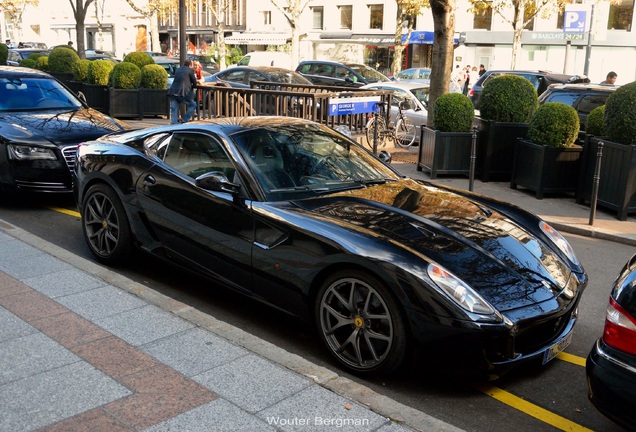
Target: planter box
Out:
[544,169]
[495,147]
[96,96]
[617,184]
[444,152]
[75,86]
[63,77]
[124,103]
[154,102]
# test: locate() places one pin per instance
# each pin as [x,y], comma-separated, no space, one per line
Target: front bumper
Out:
[51,176]
[611,380]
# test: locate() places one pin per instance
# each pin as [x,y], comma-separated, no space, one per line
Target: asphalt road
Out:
[528,399]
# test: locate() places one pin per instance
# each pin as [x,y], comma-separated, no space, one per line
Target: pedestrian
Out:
[610,78]
[482,70]
[182,91]
[467,82]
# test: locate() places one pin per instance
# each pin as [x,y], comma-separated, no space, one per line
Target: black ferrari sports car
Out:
[301,217]
[41,124]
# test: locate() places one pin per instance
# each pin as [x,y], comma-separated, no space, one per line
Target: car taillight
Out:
[620,328]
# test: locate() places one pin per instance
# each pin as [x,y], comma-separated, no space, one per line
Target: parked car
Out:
[540,79]
[100,55]
[35,45]
[331,73]
[171,64]
[423,74]
[16,55]
[302,218]
[41,125]
[611,364]
[266,58]
[583,97]
[241,76]
[207,62]
[415,93]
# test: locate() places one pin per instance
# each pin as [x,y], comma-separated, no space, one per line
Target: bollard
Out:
[473,159]
[376,116]
[595,182]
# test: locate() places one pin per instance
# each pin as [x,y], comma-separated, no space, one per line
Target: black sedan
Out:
[611,364]
[41,125]
[242,76]
[304,219]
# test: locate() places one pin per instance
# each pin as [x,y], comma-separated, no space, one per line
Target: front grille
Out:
[533,336]
[69,154]
[43,186]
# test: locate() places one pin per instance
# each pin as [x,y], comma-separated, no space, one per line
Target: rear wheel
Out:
[361,323]
[376,123]
[105,225]
[405,132]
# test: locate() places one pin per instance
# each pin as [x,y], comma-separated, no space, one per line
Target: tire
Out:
[405,132]
[376,122]
[361,323]
[105,225]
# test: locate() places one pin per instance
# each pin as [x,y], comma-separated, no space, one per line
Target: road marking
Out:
[66,211]
[531,409]
[571,358]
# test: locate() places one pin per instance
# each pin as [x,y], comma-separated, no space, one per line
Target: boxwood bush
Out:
[126,75]
[594,122]
[62,59]
[453,112]
[99,72]
[154,76]
[141,59]
[620,115]
[28,63]
[4,54]
[42,63]
[554,124]
[80,70]
[508,98]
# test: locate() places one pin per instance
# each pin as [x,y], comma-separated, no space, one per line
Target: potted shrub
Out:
[548,160]
[138,58]
[154,97]
[80,75]
[4,54]
[617,184]
[594,122]
[61,61]
[124,90]
[445,149]
[96,88]
[506,105]
[42,63]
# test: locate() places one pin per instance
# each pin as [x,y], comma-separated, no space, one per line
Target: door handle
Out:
[150,179]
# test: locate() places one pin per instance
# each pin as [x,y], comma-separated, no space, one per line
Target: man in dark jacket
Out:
[182,91]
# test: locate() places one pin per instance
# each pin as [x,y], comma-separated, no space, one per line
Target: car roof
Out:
[584,87]
[21,72]
[406,84]
[158,59]
[262,68]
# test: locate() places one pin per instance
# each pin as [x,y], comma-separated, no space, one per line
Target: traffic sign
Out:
[353,105]
[575,19]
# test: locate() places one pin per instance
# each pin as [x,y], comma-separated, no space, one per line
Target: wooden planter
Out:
[154,102]
[124,103]
[444,152]
[544,169]
[96,96]
[617,184]
[63,77]
[75,86]
[495,147]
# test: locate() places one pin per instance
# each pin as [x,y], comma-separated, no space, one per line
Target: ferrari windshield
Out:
[307,159]
[25,93]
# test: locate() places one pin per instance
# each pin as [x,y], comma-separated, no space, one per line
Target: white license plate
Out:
[555,349]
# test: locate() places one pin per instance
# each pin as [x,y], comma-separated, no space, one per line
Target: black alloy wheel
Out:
[361,323]
[106,228]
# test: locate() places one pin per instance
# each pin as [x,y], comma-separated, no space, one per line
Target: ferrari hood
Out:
[59,128]
[506,264]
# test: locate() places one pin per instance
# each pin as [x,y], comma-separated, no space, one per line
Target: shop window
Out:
[346,20]
[376,15]
[317,14]
[267,17]
[483,19]
[620,15]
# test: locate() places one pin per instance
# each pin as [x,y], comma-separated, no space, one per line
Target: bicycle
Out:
[402,131]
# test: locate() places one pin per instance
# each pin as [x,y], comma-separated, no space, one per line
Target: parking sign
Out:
[575,19]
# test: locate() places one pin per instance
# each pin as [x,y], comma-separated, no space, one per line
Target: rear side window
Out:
[567,98]
[589,102]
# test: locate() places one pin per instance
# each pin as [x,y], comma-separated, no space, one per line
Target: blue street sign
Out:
[353,105]
[575,21]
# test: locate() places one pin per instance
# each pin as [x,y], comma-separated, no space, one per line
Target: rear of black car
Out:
[611,364]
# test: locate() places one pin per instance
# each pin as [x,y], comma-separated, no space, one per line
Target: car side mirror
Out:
[218,182]
[82,97]
[385,156]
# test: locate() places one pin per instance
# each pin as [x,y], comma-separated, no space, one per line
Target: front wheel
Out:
[405,132]
[361,323]
[376,123]
[105,225]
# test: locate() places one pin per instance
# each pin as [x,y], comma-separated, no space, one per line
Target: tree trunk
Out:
[517,28]
[442,62]
[155,45]
[79,11]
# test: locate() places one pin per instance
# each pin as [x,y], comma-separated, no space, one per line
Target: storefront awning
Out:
[257,39]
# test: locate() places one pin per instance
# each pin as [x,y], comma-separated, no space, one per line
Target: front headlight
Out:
[559,241]
[461,293]
[24,152]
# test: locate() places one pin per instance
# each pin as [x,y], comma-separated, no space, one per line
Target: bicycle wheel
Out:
[405,132]
[376,123]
